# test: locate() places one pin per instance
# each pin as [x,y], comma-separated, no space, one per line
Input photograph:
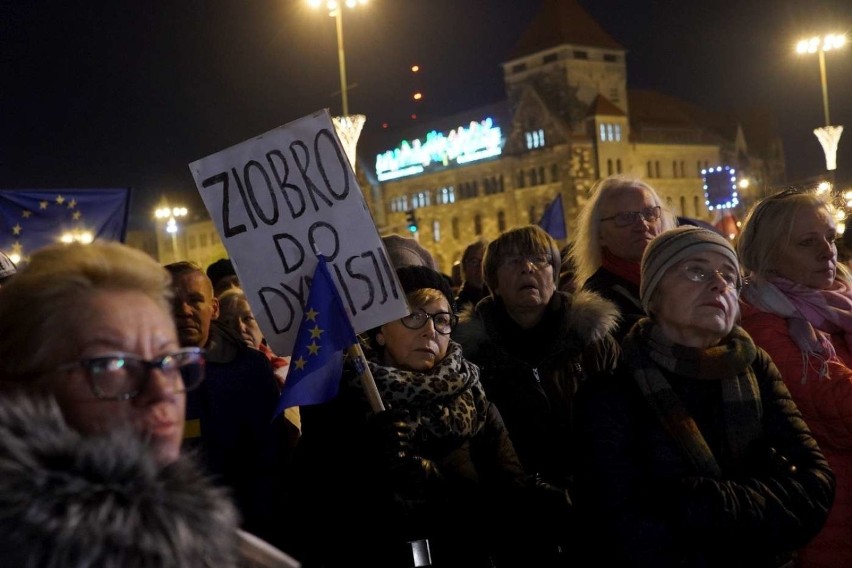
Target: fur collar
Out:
[588,318]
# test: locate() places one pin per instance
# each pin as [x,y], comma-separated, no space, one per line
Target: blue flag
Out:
[325,332]
[32,219]
[553,219]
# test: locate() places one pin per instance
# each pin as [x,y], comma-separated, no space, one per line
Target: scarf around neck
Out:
[448,401]
[626,269]
[647,350]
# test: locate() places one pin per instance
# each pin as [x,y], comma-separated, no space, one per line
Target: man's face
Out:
[194,308]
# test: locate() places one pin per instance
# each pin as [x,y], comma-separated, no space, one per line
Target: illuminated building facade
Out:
[568,120]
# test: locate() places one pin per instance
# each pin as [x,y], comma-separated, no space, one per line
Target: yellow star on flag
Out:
[16,230]
[316,332]
[26,213]
[311,315]
[313,348]
[60,200]
[300,363]
[72,204]
[76,215]
[42,204]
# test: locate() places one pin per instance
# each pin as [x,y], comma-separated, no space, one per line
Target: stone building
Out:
[569,119]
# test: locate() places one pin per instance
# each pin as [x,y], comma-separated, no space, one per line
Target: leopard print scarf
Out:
[446,401]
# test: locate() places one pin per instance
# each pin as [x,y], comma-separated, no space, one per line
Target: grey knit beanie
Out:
[674,245]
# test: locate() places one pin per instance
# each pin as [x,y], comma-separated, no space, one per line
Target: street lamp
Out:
[169,216]
[335,10]
[828,135]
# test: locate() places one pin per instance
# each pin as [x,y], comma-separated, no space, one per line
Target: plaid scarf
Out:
[648,350]
[446,401]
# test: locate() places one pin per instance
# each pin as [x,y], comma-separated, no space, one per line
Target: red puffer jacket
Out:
[826,404]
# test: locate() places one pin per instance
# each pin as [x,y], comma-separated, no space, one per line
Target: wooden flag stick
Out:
[367,381]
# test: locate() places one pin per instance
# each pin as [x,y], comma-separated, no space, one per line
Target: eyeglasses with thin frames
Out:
[122,376]
[539,261]
[444,322]
[627,218]
[697,273]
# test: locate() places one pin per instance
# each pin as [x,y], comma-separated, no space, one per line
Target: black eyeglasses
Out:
[627,218]
[444,322]
[698,273]
[121,376]
[537,260]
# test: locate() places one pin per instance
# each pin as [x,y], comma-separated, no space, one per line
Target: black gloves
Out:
[395,433]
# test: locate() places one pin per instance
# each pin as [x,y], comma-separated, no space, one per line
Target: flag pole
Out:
[367,381]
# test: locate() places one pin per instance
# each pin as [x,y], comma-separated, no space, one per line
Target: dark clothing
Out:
[470,294]
[230,424]
[532,376]
[637,485]
[465,508]
[621,292]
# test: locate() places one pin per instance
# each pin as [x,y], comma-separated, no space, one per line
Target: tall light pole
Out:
[828,135]
[335,10]
[169,216]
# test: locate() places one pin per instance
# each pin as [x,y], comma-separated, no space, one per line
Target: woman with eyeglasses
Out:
[437,466]
[614,226]
[693,454]
[87,341]
[536,346]
[797,306]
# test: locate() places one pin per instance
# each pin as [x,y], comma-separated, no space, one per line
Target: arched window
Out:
[455,226]
[477,224]
[501,221]
[436,231]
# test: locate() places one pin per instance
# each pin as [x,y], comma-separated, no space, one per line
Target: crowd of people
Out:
[647,395]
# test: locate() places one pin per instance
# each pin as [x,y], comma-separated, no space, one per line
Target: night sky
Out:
[115,94]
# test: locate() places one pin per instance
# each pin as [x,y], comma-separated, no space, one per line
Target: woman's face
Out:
[132,323]
[628,242]
[240,318]
[525,281]
[697,314]
[810,258]
[415,349]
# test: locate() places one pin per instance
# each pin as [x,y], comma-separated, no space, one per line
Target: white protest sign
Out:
[281,199]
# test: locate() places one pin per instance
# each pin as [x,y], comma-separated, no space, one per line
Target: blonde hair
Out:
[768,227]
[41,305]
[586,247]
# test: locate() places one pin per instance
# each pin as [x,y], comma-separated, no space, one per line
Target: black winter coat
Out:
[635,486]
[623,293]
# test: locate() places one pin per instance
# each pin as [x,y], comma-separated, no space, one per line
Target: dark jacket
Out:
[532,375]
[621,292]
[636,487]
[230,425]
[354,511]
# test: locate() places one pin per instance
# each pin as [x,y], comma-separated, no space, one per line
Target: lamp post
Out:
[169,216]
[828,135]
[335,10]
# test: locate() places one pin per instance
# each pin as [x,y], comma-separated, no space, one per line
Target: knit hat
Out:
[404,251]
[418,277]
[220,269]
[673,246]
[7,267]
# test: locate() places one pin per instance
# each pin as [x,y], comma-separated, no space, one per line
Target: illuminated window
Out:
[436,231]
[535,139]
[610,132]
[446,195]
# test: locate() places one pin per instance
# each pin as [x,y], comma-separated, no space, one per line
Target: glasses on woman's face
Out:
[627,218]
[444,322]
[699,273]
[539,261]
[121,376]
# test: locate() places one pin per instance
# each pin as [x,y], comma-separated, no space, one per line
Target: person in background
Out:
[473,287]
[236,314]
[693,452]
[614,226]
[222,275]
[535,347]
[7,268]
[437,465]
[229,419]
[88,330]
[797,306]
[405,251]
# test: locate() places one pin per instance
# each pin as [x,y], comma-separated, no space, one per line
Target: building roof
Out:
[561,22]
[659,118]
[602,106]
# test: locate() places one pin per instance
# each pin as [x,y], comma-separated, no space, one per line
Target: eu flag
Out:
[553,219]
[325,332]
[32,219]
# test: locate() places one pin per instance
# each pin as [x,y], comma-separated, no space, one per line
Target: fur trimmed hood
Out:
[589,318]
[74,501]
